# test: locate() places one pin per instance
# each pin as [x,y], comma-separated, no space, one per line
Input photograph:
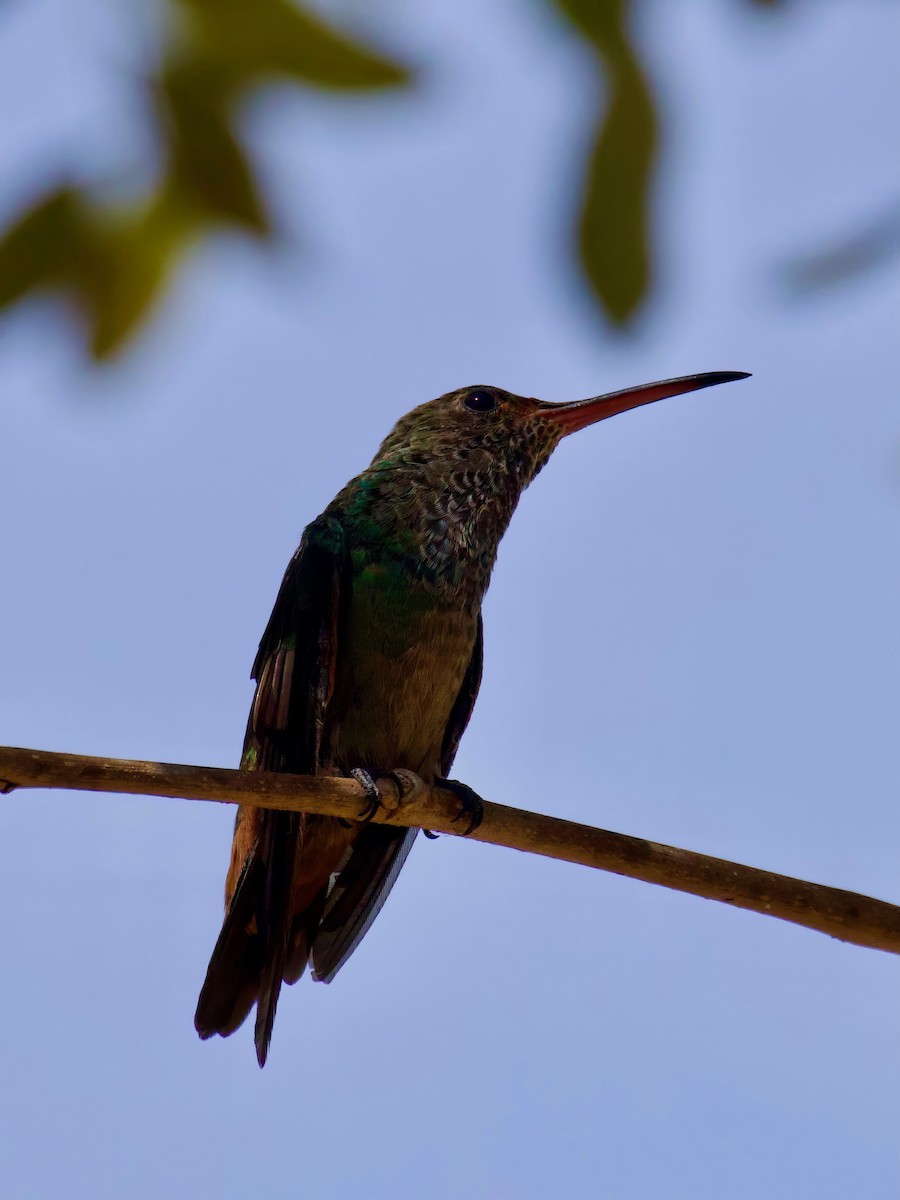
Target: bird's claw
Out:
[6,787]
[471,804]
[369,786]
[408,782]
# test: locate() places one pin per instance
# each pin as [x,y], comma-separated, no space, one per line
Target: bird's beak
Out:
[578,414]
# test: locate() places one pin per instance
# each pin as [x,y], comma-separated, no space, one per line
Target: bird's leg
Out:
[368,785]
[471,804]
[6,787]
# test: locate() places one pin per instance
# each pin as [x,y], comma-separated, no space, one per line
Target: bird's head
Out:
[500,440]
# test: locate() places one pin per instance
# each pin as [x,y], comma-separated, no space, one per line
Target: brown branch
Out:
[845,915]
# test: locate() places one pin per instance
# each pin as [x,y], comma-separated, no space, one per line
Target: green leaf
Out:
[39,249]
[124,267]
[208,168]
[614,227]
[111,265]
[114,264]
[274,37]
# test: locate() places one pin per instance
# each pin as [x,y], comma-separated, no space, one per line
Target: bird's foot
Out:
[471,804]
[407,782]
[6,787]
[369,786]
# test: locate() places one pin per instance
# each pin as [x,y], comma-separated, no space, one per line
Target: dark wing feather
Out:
[294,666]
[232,975]
[461,712]
[357,896]
[294,670]
[361,888]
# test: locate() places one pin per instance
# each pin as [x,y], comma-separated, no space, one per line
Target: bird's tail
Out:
[288,907]
[251,956]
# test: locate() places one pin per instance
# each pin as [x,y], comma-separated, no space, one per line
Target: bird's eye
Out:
[480,401]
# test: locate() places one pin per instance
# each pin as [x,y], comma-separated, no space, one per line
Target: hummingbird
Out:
[370,664]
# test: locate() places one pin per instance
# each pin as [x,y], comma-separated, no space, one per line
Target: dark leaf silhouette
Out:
[847,258]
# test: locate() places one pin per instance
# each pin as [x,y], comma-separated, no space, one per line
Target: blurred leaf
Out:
[123,276]
[110,265]
[274,37]
[614,233]
[208,167]
[861,252]
[114,264]
[39,249]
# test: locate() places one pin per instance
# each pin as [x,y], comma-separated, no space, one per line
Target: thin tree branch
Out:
[845,915]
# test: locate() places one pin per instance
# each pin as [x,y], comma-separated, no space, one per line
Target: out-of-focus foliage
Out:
[613,231]
[872,244]
[114,261]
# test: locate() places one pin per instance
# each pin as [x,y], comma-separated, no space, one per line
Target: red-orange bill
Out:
[580,413]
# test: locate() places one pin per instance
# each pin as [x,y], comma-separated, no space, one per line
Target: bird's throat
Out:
[443,527]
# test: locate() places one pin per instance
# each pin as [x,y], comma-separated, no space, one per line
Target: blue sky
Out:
[691,634]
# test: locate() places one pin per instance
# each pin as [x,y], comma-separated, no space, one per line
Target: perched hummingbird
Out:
[370,662]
